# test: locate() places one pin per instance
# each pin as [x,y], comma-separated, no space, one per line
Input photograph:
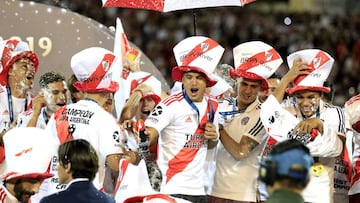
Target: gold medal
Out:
[317,169]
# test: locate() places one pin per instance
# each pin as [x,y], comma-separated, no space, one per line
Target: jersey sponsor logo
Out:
[157,111]
[195,141]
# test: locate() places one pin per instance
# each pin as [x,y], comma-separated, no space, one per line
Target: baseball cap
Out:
[199,54]
[290,158]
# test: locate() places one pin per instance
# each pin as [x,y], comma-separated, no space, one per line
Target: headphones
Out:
[268,170]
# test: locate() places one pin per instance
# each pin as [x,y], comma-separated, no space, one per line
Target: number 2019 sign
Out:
[53,33]
[44,43]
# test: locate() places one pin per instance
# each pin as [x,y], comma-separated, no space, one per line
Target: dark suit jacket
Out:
[79,192]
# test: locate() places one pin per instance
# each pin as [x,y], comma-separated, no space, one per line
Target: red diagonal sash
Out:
[259,58]
[95,78]
[199,50]
[62,125]
[315,64]
[186,155]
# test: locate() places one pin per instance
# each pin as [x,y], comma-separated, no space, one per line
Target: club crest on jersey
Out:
[245,120]
[157,111]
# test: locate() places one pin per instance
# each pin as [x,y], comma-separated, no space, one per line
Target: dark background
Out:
[330,25]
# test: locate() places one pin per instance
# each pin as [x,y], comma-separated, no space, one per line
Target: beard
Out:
[20,192]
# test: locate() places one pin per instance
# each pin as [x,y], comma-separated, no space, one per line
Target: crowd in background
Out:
[156,33]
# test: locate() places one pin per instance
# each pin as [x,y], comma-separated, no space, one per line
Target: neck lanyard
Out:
[233,112]
[46,119]
[10,103]
[193,106]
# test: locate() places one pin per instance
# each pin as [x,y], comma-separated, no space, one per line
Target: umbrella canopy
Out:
[172,5]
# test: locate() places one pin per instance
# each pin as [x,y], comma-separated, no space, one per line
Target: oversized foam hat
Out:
[28,153]
[156,98]
[320,64]
[142,77]
[11,51]
[198,54]
[92,67]
[255,60]
[153,198]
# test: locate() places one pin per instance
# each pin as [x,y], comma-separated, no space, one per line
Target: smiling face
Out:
[22,74]
[146,105]
[194,85]
[56,95]
[308,102]
[248,90]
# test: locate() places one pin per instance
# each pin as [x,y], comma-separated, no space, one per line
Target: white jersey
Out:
[355,181]
[352,110]
[237,180]
[6,196]
[182,146]
[24,118]
[325,147]
[343,171]
[85,120]
[10,108]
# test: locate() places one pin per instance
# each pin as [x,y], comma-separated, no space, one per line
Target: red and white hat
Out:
[142,77]
[28,153]
[92,67]
[11,51]
[156,98]
[321,64]
[255,60]
[152,198]
[199,54]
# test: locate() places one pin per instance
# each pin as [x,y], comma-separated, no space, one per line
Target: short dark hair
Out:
[50,77]
[72,79]
[82,156]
